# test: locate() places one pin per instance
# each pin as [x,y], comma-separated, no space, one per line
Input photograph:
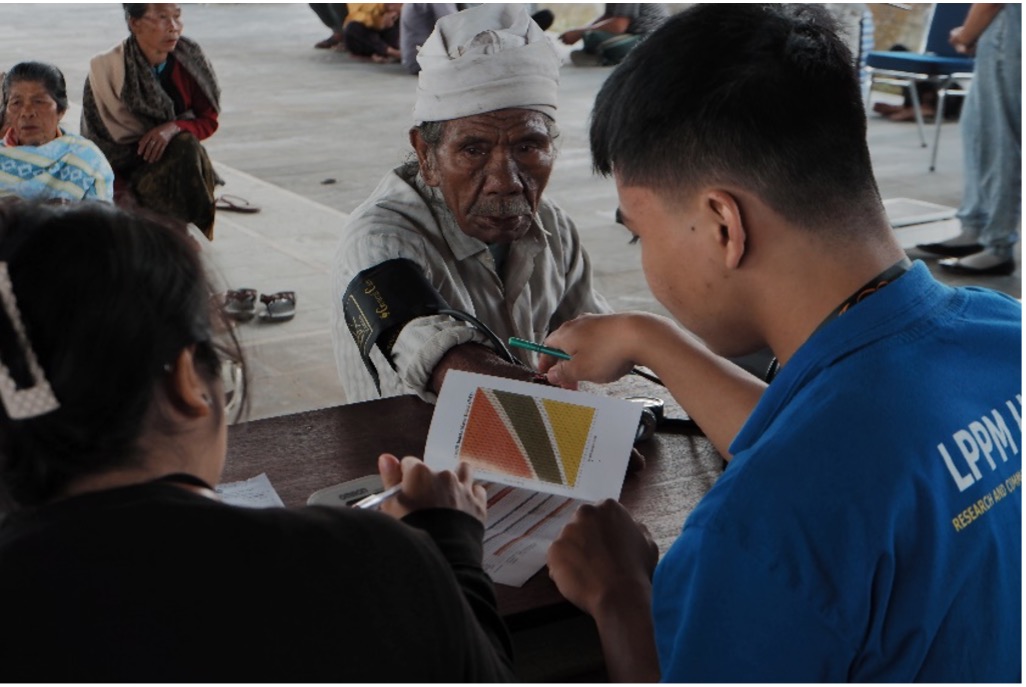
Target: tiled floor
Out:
[307,134]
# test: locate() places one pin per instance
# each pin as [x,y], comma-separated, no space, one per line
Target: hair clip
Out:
[39,398]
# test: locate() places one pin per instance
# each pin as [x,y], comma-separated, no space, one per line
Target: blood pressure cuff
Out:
[381,300]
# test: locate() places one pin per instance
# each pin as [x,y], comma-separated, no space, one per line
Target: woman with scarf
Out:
[147,103]
[38,159]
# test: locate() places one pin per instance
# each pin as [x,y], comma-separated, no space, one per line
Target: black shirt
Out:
[156,583]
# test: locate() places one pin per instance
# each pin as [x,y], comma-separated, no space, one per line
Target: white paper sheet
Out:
[533,436]
[255,492]
[521,526]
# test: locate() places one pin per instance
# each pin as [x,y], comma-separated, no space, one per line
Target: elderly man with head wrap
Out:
[464,229]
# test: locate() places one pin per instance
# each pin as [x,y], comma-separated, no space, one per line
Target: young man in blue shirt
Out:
[868,526]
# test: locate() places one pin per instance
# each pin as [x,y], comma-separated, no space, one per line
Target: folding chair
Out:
[937,63]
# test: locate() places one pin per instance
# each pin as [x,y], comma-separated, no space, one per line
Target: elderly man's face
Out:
[491,169]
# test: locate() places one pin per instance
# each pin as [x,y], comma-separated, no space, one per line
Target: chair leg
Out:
[867,93]
[939,119]
[920,126]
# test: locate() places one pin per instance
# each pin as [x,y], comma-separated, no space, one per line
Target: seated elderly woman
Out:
[120,564]
[148,102]
[4,126]
[38,159]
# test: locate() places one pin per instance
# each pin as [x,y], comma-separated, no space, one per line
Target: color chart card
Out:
[533,436]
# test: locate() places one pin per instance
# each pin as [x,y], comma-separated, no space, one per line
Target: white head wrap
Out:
[483,59]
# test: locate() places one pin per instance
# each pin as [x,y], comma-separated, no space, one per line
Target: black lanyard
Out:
[872,286]
[184,479]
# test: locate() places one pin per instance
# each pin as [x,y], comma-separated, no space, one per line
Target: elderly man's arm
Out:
[427,346]
[473,357]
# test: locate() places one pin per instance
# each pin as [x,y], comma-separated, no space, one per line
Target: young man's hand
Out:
[603,556]
[602,349]
[602,562]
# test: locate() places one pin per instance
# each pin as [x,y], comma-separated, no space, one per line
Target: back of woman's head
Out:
[107,300]
[39,72]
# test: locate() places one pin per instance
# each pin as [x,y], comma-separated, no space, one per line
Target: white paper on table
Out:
[255,492]
[533,436]
[521,525]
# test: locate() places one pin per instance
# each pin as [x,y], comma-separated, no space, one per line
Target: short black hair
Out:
[763,97]
[108,299]
[41,72]
[134,10]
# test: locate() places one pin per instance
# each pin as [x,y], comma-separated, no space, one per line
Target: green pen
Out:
[538,348]
[563,355]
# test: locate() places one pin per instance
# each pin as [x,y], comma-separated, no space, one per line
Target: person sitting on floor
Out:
[119,563]
[147,103]
[469,214]
[372,30]
[609,39]
[868,527]
[38,159]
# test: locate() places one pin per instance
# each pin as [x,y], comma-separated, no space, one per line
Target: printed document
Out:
[532,436]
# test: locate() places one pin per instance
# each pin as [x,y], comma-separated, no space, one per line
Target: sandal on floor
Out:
[232,203]
[281,306]
[240,304]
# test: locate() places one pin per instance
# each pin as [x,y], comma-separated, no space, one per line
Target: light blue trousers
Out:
[991,136]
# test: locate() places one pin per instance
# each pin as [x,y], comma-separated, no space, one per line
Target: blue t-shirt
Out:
[869,526]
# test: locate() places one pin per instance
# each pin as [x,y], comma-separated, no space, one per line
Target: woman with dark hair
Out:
[38,159]
[148,102]
[120,564]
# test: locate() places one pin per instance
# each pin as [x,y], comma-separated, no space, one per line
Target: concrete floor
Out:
[307,134]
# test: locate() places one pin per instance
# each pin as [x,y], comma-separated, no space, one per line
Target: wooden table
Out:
[309,451]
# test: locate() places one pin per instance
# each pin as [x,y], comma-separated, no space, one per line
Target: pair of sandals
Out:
[240,305]
[232,203]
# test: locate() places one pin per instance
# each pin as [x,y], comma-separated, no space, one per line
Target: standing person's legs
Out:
[1001,186]
[991,203]
[333,16]
[973,212]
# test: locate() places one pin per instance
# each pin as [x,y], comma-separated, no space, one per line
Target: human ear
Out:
[425,157]
[733,236]
[187,390]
